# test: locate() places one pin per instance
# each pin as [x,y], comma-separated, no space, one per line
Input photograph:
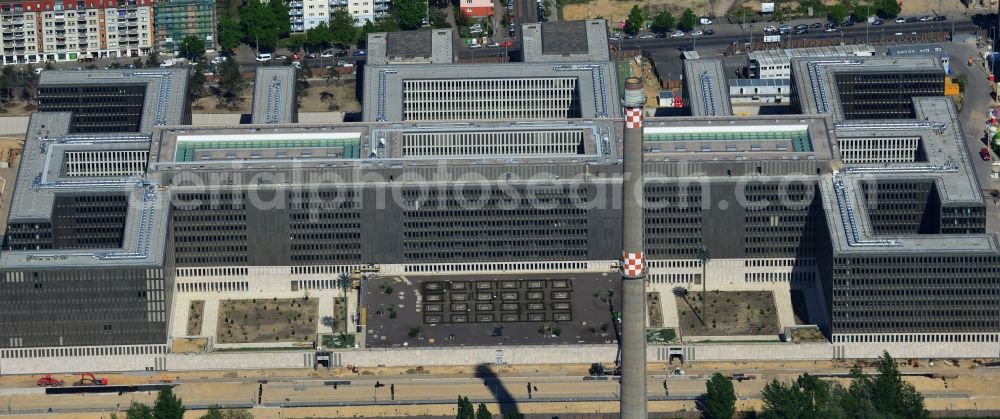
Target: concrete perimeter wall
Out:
[524,355]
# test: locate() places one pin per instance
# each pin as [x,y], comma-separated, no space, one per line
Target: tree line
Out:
[882,395]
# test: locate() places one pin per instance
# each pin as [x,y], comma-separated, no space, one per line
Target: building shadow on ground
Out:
[503,396]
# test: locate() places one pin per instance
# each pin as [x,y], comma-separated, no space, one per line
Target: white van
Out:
[263,57]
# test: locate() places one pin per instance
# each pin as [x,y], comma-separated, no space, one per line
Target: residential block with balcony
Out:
[68,30]
[178,19]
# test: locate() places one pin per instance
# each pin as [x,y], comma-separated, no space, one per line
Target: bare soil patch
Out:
[340,313]
[322,94]
[616,11]
[188,345]
[655,309]
[730,313]
[259,321]
[195,317]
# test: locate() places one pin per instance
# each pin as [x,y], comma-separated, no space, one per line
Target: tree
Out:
[329,321]
[196,84]
[720,399]
[139,411]
[837,13]
[344,279]
[884,392]
[482,412]
[295,42]
[318,37]
[264,23]
[888,8]
[168,405]
[153,59]
[214,412]
[688,20]
[342,29]
[634,21]
[230,33]
[806,397]
[465,410]
[410,14]
[663,22]
[192,48]
[230,82]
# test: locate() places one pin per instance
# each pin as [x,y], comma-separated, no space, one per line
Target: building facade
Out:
[67,31]
[476,8]
[362,10]
[178,19]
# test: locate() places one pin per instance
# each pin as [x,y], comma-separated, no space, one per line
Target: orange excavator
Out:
[88,379]
[48,381]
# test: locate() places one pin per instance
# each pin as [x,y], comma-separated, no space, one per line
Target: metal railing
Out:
[850,222]
[597,81]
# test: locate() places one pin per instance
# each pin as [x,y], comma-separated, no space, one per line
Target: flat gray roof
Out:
[738,139]
[759,82]
[355,144]
[707,91]
[274,96]
[577,40]
[39,180]
[948,166]
[597,84]
[426,46]
[166,90]
[815,83]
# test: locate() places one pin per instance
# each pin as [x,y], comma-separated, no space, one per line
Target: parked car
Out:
[878,22]
[710,32]
[900,20]
[697,33]
[474,46]
[360,53]
[940,18]
[830,30]
[218,60]
[646,36]
[281,58]
[327,54]
[847,23]
[785,28]
[816,25]
[984,153]
[912,19]
[771,28]
[167,63]
[800,32]
[925,18]
[263,57]
[802,26]
[677,34]
[705,21]
[493,45]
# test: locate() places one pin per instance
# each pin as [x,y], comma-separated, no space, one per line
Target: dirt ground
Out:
[195,318]
[258,321]
[655,313]
[16,109]
[616,10]
[184,345]
[343,95]
[340,313]
[730,313]
[208,104]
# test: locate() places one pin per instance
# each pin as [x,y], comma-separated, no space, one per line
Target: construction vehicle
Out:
[88,379]
[598,369]
[48,381]
[356,274]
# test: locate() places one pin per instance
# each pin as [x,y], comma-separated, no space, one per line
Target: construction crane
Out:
[48,381]
[356,274]
[88,379]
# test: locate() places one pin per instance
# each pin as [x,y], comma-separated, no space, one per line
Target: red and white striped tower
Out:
[633,268]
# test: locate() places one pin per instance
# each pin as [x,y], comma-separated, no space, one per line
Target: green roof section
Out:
[799,138]
[186,149]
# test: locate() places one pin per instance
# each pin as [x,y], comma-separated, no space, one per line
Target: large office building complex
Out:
[67,30]
[480,169]
[178,19]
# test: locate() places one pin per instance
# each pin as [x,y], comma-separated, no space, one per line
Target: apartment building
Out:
[67,30]
[362,10]
[178,19]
